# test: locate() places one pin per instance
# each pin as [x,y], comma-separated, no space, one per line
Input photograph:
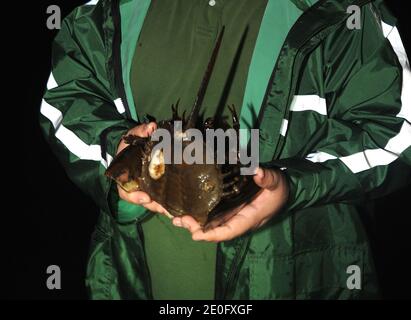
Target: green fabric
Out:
[304,252]
[174,48]
[169,63]
[133,13]
[180,268]
[278,19]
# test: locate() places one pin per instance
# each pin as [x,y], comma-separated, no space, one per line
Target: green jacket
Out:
[335,114]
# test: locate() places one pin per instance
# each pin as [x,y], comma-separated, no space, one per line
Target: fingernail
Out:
[260,173]
[151,127]
[196,237]
[144,200]
[177,222]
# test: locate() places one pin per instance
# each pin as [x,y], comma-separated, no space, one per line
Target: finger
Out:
[187,222]
[190,223]
[265,178]
[151,127]
[157,208]
[234,227]
[122,194]
[137,197]
[222,218]
[144,130]
[141,198]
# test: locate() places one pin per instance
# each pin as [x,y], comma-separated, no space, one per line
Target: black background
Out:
[51,220]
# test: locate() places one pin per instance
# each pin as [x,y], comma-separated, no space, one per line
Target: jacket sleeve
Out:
[364,148]
[79,116]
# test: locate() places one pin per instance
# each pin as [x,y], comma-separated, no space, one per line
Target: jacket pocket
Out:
[330,273]
[100,274]
[333,272]
[270,278]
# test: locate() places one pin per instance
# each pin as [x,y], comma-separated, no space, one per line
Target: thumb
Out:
[150,128]
[265,178]
[145,130]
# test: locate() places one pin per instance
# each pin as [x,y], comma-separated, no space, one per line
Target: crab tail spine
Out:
[192,119]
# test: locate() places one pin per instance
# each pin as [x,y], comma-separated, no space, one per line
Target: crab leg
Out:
[235,171]
[174,109]
[231,183]
[236,123]
[233,192]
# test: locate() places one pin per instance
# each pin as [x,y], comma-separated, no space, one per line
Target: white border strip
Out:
[51,83]
[284,127]
[371,158]
[320,156]
[119,105]
[368,159]
[309,103]
[91,3]
[72,142]
[392,34]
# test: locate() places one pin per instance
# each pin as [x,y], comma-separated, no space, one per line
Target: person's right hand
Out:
[139,197]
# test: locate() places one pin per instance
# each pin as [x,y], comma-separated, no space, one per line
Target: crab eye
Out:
[157,167]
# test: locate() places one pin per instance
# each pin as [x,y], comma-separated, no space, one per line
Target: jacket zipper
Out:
[238,259]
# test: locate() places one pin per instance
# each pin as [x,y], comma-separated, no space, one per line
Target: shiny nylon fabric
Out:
[273,31]
[303,252]
[117,263]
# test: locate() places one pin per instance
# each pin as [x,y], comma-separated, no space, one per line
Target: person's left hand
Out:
[251,216]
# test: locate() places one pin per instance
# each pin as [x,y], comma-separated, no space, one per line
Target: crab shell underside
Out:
[182,189]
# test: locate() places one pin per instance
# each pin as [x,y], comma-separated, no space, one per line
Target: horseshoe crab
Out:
[201,190]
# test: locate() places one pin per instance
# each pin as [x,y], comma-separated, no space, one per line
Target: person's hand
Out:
[139,197]
[251,216]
